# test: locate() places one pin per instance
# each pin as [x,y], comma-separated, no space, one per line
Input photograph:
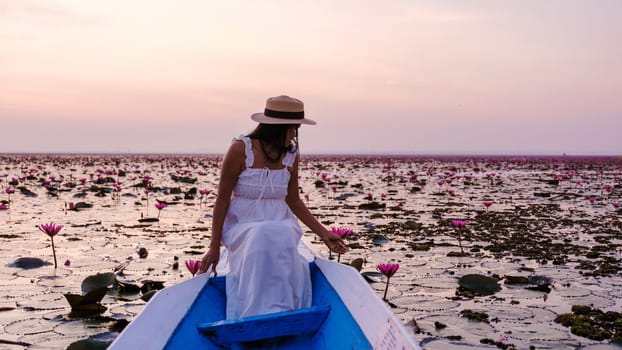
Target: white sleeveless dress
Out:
[261,234]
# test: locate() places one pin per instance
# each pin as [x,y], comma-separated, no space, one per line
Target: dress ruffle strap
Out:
[248,149]
[289,159]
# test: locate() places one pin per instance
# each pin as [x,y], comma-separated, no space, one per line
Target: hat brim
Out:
[263,119]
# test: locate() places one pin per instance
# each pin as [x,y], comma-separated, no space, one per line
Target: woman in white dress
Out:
[255,216]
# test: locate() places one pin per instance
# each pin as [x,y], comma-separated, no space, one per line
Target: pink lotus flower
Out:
[160,206]
[9,190]
[193,266]
[388,270]
[487,203]
[615,204]
[51,230]
[342,232]
[458,224]
[204,193]
[3,206]
[592,200]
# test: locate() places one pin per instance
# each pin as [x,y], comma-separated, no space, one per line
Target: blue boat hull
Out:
[338,331]
[346,313]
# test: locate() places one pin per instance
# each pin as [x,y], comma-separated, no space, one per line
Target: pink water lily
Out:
[9,191]
[388,270]
[193,266]
[459,224]
[51,230]
[342,232]
[204,193]
[487,204]
[160,206]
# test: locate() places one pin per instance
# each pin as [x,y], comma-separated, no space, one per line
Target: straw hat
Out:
[283,110]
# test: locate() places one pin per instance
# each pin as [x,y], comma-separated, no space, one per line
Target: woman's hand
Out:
[210,259]
[334,242]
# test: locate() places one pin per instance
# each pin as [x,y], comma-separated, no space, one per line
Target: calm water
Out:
[541,222]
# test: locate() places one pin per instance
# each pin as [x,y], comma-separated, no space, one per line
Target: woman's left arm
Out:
[298,207]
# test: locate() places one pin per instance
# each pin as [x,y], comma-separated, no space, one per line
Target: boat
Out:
[346,313]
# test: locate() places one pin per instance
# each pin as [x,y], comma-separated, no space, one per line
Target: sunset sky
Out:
[408,77]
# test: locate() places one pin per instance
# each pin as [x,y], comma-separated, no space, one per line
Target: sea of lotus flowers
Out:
[470,252]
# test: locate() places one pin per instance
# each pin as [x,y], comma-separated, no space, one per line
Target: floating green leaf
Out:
[479,284]
[89,344]
[147,296]
[29,263]
[357,263]
[88,303]
[100,280]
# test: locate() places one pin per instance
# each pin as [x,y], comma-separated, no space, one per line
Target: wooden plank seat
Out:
[268,326]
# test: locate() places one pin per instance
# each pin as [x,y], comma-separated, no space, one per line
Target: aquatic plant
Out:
[592,323]
[160,206]
[204,193]
[459,224]
[51,230]
[487,204]
[193,266]
[9,191]
[388,270]
[477,285]
[343,233]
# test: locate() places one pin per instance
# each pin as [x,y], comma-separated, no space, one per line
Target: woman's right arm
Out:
[232,166]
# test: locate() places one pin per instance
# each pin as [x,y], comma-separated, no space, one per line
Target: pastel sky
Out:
[394,76]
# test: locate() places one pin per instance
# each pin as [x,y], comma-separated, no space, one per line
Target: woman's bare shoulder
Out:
[235,156]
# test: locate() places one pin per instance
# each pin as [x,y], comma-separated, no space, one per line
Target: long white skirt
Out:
[266,272]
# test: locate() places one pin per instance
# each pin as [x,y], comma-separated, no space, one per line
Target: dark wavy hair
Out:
[273,136]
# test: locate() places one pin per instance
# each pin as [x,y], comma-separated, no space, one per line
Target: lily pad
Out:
[151,285]
[147,296]
[100,280]
[357,263]
[82,205]
[149,220]
[89,344]
[379,239]
[479,284]
[88,302]
[29,263]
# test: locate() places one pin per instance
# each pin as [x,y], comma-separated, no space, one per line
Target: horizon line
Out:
[357,154]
